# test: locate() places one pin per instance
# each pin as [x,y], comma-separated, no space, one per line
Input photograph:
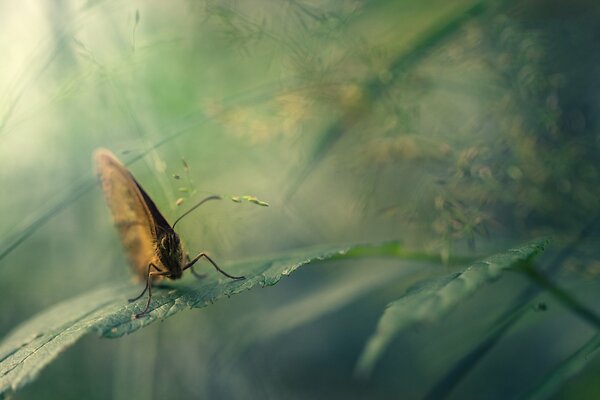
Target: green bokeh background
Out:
[458,128]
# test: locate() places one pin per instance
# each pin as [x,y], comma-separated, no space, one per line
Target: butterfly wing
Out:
[160,222]
[134,214]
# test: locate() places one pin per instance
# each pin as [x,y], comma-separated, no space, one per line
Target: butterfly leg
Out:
[151,265]
[199,256]
[149,286]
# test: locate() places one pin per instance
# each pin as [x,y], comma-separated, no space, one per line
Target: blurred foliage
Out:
[449,130]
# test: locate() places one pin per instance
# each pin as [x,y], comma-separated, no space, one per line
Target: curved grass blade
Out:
[566,370]
[29,229]
[434,298]
[458,371]
[520,305]
[105,311]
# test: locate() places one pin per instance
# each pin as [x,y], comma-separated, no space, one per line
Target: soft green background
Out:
[458,128]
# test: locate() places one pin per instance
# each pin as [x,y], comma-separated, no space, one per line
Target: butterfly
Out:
[153,248]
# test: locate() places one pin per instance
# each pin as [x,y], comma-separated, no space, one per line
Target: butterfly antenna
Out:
[196,206]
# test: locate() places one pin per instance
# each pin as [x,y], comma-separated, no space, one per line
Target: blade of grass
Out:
[503,324]
[563,296]
[566,370]
[455,375]
[434,298]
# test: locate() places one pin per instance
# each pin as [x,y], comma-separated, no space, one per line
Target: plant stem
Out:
[562,296]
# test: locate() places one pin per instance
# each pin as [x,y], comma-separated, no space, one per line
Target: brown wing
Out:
[129,206]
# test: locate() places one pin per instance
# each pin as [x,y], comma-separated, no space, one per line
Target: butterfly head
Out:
[171,254]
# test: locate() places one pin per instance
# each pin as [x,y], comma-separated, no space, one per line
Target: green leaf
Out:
[105,311]
[436,297]
[570,367]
